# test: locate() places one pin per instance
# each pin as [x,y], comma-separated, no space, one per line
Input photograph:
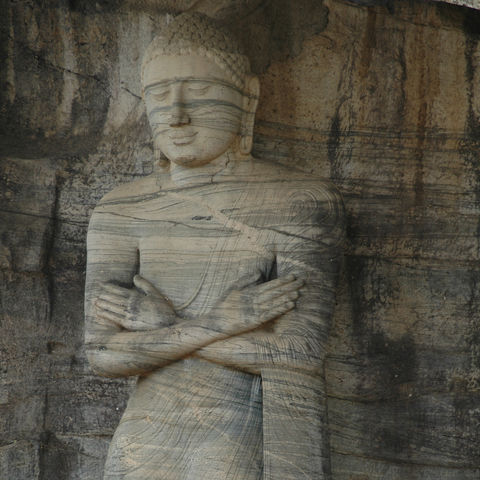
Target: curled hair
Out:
[196,34]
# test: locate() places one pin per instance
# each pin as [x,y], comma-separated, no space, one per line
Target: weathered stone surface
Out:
[74,457]
[19,460]
[89,406]
[27,203]
[24,372]
[218,9]
[347,467]
[383,98]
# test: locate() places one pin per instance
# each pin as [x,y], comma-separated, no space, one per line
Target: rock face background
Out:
[381,97]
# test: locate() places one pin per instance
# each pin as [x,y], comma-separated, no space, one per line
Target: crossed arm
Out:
[135,330]
[140,330]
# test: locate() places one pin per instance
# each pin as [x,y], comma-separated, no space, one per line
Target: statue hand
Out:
[140,308]
[253,305]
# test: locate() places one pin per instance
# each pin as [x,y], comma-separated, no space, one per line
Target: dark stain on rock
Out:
[44,65]
[393,361]
[394,358]
[87,7]
[333,144]
[388,4]
[355,274]
[471,20]
[473,336]
[419,187]
[467,427]
[369,44]
[397,357]
[402,99]
[277,30]
[422,92]
[56,457]
[470,146]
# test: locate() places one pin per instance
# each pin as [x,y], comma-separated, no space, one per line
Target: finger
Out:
[144,285]
[111,307]
[116,289]
[113,317]
[248,280]
[285,297]
[276,302]
[278,282]
[112,298]
[276,312]
[280,291]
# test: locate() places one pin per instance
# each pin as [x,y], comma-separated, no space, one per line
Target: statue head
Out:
[200,95]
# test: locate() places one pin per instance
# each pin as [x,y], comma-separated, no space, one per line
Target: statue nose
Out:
[179,115]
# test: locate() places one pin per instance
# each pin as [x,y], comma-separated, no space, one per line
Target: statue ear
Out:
[250,102]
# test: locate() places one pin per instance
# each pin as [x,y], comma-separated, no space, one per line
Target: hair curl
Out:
[194,33]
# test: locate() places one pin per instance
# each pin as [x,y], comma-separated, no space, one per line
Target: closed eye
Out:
[199,90]
[160,96]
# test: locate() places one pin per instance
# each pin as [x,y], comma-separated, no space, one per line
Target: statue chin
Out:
[195,149]
[192,156]
[189,161]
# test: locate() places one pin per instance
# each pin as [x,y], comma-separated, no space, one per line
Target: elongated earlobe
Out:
[250,102]
[160,160]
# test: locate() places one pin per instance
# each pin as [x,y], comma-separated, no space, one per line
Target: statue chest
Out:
[195,251]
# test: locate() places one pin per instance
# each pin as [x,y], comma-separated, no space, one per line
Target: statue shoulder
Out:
[290,180]
[128,193]
[312,207]
[310,187]
[117,208]
[315,200]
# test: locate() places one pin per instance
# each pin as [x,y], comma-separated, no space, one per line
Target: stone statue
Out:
[213,280]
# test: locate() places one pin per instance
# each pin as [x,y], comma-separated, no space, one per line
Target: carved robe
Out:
[253,406]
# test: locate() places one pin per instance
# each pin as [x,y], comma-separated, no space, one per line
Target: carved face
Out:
[193,108]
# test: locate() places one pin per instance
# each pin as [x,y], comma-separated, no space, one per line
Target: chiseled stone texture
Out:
[382,98]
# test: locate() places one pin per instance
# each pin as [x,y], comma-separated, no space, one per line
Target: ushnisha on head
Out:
[200,95]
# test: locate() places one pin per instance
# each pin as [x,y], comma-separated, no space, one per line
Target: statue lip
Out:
[182,138]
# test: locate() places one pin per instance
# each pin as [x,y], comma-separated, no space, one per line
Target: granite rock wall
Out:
[381,97]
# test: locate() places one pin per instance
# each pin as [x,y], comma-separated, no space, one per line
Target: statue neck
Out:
[191,176]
